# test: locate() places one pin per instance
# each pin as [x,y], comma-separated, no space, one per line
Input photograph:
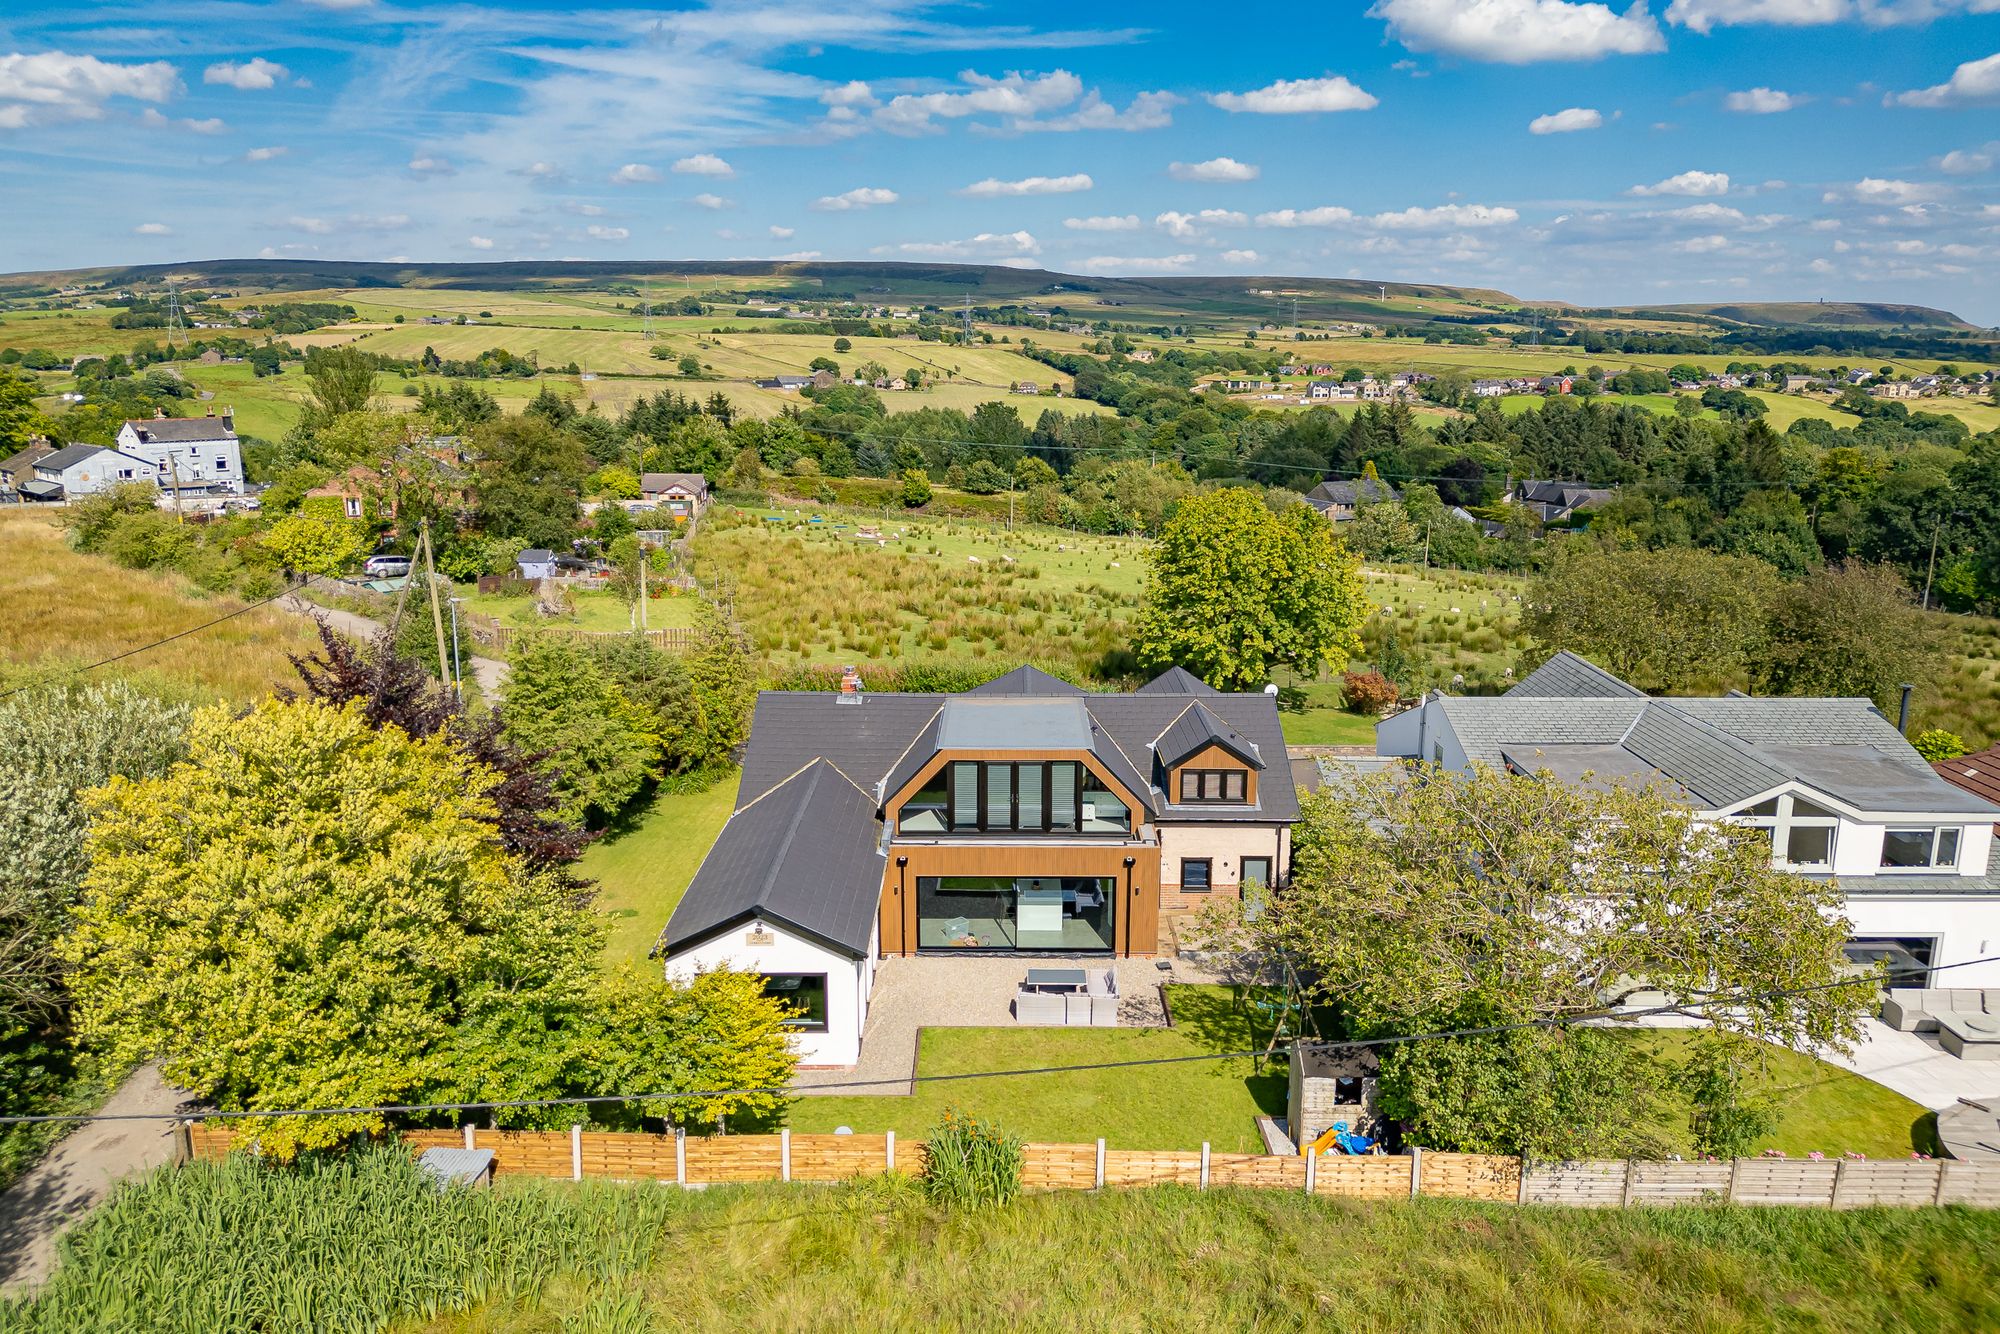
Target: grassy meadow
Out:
[369,1244]
[644,866]
[65,609]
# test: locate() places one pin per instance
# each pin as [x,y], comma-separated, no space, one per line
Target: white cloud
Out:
[540,171]
[994,188]
[796,256]
[860,197]
[152,229]
[703,164]
[633,173]
[353,222]
[599,232]
[1294,96]
[480,242]
[1185,225]
[311,226]
[1706,15]
[1520,32]
[781,233]
[1136,263]
[153,120]
[1216,169]
[250,77]
[1146,111]
[425,165]
[1566,121]
[584,210]
[1446,216]
[266,154]
[1240,257]
[1126,222]
[1018,96]
[1971,84]
[853,93]
[1703,245]
[1760,101]
[1695,183]
[1966,162]
[986,245]
[54,86]
[1876,190]
[707,200]
[1331,215]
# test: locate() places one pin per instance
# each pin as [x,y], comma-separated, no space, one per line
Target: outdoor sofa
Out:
[1913,1010]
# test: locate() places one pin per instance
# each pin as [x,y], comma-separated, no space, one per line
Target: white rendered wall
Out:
[847,983]
[1966,928]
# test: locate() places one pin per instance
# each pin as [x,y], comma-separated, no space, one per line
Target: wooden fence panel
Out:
[1591,1183]
[1268,1170]
[838,1157]
[1970,1183]
[1144,1167]
[205,1141]
[1784,1181]
[1679,1183]
[1471,1176]
[539,1153]
[416,1141]
[1059,1166]
[628,1157]
[1369,1178]
[1907,1182]
[713,1159]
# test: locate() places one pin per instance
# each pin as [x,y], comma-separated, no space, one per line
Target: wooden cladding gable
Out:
[1137,803]
[1213,758]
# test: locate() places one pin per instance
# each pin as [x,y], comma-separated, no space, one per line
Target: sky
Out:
[1690,150]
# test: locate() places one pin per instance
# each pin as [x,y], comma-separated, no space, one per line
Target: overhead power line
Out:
[594,1099]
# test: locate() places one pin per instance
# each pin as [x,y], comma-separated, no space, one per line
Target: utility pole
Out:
[457,664]
[1931,570]
[174,478]
[437,612]
[176,330]
[1427,544]
[643,562]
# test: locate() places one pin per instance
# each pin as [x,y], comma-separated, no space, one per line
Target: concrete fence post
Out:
[680,1157]
[785,1154]
[1839,1180]
[576,1153]
[1521,1195]
[1943,1167]
[1735,1176]
[468,1136]
[183,1142]
[1416,1171]
[1204,1164]
[1100,1164]
[1631,1172]
[889,1149]
[1312,1167]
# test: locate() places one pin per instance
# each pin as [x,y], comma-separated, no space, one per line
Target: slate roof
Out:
[21,462]
[1567,676]
[1571,717]
[69,456]
[1351,491]
[1196,729]
[1178,681]
[801,856]
[182,430]
[1978,773]
[654,482]
[1025,680]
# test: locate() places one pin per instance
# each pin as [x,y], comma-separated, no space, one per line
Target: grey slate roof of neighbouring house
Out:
[1351,491]
[1195,730]
[183,430]
[778,857]
[1178,681]
[1572,718]
[69,456]
[654,482]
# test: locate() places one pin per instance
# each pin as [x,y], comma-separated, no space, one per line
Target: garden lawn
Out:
[1327,727]
[1171,1106]
[594,611]
[643,869]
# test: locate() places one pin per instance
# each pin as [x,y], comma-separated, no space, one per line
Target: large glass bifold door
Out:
[1050,914]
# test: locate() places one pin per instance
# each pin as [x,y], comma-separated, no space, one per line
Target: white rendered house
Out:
[1840,790]
[198,455]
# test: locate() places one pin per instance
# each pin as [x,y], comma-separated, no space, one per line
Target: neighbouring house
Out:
[1024,387]
[1896,389]
[1024,817]
[536,563]
[1142,355]
[1977,773]
[684,495]
[1794,384]
[82,470]
[789,383]
[354,494]
[1857,376]
[1840,791]
[1339,498]
[19,467]
[1558,502]
[1331,391]
[1556,384]
[1489,388]
[196,455]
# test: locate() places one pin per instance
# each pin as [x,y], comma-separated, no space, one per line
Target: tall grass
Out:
[65,609]
[368,1247]
[971,1163]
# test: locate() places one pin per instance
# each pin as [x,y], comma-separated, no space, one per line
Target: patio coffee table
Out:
[1056,980]
[1970,1037]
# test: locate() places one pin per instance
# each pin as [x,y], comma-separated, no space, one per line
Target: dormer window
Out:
[1920,849]
[1217,785]
[1802,833]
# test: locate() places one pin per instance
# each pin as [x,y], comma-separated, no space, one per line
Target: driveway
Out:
[78,1173]
[490,673]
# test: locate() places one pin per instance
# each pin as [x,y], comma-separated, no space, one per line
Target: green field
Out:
[607,611]
[643,867]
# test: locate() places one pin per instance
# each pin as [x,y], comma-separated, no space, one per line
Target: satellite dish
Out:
[1271,689]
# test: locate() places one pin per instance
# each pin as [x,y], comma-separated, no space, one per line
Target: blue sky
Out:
[1693,150]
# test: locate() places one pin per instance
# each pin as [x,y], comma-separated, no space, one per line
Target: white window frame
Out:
[1932,865]
[1781,824]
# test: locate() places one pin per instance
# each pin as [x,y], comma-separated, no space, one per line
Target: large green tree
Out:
[1850,629]
[342,381]
[597,746]
[530,475]
[1237,591]
[1673,619]
[1490,899]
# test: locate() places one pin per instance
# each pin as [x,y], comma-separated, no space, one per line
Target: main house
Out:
[195,455]
[1023,817]
[1840,791]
